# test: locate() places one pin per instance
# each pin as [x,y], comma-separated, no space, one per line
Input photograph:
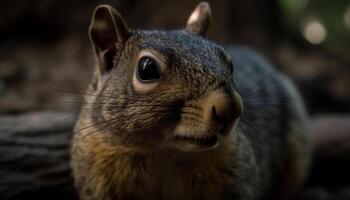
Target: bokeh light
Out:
[314,32]
[347,17]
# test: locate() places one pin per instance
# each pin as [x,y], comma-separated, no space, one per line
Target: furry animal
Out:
[172,115]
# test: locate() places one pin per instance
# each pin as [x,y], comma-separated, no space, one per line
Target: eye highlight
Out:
[147,70]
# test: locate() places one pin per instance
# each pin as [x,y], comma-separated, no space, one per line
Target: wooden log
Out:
[34,156]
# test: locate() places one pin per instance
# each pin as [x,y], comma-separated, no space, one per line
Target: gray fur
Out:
[195,68]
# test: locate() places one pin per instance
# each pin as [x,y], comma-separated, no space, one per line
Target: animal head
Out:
[158,89]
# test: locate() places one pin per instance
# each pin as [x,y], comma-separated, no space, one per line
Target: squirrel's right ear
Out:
[108,34]
[199,20]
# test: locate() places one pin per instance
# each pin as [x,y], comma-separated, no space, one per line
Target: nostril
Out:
[217,115]
[224,115]
[223,107]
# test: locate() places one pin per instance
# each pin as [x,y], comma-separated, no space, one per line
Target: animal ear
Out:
[108,33]
[199,20]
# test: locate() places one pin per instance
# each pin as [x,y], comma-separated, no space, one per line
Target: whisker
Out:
[259,86]
[105,124]
[260,130]
[53,90]
[82,94]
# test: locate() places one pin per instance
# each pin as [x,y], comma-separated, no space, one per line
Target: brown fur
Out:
[197,132]
[167,174]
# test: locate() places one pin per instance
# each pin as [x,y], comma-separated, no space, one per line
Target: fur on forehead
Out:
[182,46]
[189,59]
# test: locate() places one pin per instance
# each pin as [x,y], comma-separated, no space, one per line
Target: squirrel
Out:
[172,115]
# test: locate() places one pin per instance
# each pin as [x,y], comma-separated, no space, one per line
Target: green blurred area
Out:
[333,15]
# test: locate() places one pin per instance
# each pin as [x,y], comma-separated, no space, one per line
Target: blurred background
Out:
[46,44]
[44,51]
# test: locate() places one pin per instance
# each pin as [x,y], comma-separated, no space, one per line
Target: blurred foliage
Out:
[333,15]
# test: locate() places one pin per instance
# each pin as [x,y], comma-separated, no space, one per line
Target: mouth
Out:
[200,141]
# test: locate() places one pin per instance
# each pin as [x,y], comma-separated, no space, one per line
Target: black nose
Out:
[217,116]
[226,108]
[224,115]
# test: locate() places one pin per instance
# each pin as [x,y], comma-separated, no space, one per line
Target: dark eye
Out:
[147,70]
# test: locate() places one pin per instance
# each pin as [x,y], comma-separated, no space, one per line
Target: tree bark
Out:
[34,156]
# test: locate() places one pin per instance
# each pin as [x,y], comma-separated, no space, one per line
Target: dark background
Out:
[46,44]
[46,59]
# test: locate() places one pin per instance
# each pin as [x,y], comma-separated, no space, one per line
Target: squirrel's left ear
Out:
[199,20]
[108,34]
